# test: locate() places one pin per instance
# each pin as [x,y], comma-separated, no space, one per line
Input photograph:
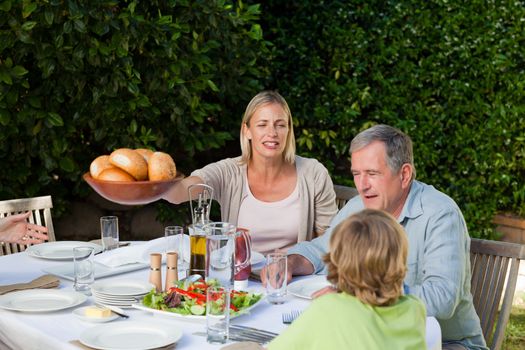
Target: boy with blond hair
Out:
[366,266]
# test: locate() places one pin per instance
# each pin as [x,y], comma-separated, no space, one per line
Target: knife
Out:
[114,309]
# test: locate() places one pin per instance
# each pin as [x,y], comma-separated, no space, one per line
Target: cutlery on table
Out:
[115,310]
[289,317]
[243,333]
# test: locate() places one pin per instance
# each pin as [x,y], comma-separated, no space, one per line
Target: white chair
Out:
[40,207]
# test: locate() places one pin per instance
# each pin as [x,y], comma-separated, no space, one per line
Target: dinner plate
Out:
[191,318]
[256,258]
[131,335]
[61,250]
[41,300]
[122,287]
[81,314]
[304,288]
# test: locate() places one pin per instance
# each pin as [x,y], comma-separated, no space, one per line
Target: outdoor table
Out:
[61,329]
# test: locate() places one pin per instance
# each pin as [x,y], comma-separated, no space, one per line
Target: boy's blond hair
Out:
[368,253]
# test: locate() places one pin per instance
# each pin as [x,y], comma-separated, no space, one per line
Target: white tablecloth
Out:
[56,330]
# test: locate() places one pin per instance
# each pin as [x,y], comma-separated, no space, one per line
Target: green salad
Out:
[191,299]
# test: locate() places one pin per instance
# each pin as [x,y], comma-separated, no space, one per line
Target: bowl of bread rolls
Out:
[132,176]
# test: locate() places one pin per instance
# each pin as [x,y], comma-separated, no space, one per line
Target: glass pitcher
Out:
[243,255]
[220,252]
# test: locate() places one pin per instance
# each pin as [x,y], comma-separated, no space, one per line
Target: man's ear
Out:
[406,175]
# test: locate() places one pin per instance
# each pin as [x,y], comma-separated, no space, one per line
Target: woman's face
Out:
[268,131]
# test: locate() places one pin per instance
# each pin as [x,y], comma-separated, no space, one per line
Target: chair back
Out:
[495,269]
[343,194]
[40,207]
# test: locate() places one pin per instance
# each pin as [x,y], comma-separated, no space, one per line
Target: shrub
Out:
[450,74]
[81,78]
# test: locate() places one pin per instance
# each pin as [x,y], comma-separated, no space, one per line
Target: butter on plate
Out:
[97,311]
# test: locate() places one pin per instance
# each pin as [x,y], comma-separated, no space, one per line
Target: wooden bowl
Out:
[131,192]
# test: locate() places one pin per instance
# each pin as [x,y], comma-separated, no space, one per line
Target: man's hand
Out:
[297,265]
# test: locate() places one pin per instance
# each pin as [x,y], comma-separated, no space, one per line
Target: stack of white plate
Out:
[123,292]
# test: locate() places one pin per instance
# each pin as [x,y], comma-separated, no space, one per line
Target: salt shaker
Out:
[171,270]
[155,275]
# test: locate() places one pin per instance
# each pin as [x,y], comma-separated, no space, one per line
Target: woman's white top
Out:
[272,225]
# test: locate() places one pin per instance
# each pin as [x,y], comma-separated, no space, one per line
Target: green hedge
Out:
[81,78]
[449,73]
[78,79]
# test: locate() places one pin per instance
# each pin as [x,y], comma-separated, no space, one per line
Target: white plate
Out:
[123,287]
[81,314]
[256,258]
[41,300]
[131,335]
[191,318]
[62,250]
[304,288]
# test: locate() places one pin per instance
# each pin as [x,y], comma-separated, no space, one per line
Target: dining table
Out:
[60,329]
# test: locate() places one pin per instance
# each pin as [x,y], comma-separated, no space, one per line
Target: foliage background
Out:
[78,79]
[448,73]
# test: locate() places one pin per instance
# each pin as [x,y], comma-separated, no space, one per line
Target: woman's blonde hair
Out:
[261,99]
[368,253]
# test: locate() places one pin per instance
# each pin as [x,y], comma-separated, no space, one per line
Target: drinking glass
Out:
[109,232]
[84,269]
[174,242]
[217,314]
[276,277]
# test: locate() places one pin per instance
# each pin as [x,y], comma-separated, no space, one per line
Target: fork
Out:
[288,318]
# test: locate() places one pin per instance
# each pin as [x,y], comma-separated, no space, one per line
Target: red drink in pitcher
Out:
[243,254]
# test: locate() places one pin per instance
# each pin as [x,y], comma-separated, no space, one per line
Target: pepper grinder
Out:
[172,274]
[155,275]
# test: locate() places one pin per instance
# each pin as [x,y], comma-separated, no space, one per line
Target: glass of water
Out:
[109,232]
[217,314]
[84,269]
[174,236]
[276,277]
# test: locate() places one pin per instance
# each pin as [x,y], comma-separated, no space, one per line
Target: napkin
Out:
[139,254]
[45,281]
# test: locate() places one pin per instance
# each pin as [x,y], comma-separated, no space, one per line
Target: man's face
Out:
[379,187]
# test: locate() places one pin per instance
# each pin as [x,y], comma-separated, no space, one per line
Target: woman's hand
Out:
[16,229]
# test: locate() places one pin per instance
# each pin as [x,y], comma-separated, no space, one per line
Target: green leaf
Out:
[212,85]
[5,76]
[28,8]
[67,164]
[27,26]
[19,71]
[37,128]
[54,119]
[49,17]
[5,117]
[5,6]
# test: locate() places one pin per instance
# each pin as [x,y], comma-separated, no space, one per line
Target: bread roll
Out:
[161,167]
[115,174]
[131,162]
[144,152]
[100,164]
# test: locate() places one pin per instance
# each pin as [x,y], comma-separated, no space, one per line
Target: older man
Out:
[438,257]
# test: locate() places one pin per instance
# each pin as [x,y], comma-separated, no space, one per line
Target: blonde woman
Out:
[280,197]
[367,263]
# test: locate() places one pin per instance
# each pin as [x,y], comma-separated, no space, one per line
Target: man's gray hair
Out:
[398,145]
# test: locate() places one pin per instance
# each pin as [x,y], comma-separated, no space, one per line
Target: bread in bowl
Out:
[100,164]
[131,162]
[161,167]
[115,174]
[144,152]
